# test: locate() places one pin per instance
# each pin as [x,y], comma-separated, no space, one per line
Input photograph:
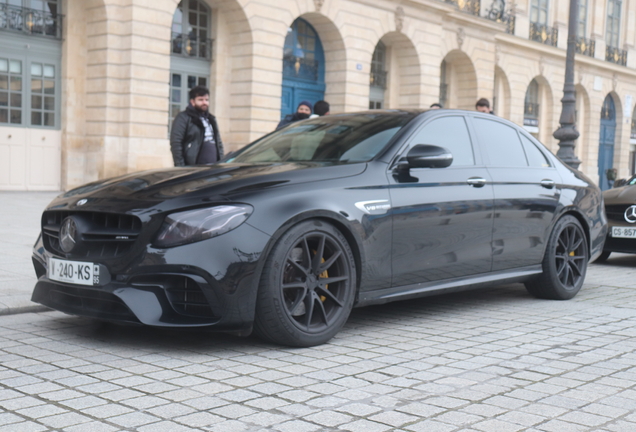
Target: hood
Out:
[620,195]
[216,183]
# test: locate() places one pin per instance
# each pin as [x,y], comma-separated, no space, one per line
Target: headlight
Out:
[196,225]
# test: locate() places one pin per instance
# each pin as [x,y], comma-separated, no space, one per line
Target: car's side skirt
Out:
[406,292]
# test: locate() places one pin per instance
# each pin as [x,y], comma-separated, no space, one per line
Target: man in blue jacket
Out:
[195,137]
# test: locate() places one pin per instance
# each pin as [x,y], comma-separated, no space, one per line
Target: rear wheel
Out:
[564,264]
[307,287]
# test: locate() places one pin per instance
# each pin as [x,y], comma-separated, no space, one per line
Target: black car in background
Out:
[620,207]
[295,229]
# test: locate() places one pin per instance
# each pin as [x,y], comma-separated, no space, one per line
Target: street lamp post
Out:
[567,133]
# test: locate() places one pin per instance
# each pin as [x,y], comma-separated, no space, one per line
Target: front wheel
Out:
[564,264]
[307,287]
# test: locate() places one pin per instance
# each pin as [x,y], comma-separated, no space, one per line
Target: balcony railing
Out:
[616,55]
[544,34]
[30,21]
[191,46]
[301,67]
[472,7]
[496,12]
[585,46]
[378,78]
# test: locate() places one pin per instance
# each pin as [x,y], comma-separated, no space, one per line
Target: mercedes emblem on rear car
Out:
[630,214]
[68,231]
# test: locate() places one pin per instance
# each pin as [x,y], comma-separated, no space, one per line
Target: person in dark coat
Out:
[195,137]
[303,111]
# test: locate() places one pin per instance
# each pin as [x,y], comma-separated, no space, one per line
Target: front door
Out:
[442,217]
[606,142]
[303,67]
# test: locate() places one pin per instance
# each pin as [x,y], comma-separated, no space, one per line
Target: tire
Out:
[307,287]
[603,257]
[564,264]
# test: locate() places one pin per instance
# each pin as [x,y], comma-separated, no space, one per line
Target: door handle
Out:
[476,181]
[547,183]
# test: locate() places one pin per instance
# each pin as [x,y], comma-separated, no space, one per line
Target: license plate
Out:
[75,272]
[623,232]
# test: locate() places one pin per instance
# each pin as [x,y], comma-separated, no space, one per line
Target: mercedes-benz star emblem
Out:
[630,214]
[81,202]
[68,231]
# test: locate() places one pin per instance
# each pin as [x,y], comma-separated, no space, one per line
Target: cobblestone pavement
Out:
[490,360]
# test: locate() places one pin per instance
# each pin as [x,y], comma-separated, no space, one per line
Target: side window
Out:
[450,133]
[536,158]
[501,143]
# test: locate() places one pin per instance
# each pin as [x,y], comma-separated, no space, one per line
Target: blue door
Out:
[606,142]
[303,67]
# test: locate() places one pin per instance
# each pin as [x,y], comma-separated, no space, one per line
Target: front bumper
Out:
[212,283]
[624,245]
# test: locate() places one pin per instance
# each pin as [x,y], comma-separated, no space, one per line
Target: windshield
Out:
[344,138]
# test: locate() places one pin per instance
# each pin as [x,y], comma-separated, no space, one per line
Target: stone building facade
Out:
[88,88]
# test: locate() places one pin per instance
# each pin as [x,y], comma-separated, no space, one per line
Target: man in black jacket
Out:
[195,137]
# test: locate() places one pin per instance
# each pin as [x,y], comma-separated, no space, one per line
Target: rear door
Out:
[442,217]
[527,191]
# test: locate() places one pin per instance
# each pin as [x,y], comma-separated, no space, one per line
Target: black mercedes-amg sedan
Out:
[286,235]
[620,207]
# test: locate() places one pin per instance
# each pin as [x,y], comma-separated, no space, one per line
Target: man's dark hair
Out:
[321,107]
[436,105]
[483,102]
[197,91]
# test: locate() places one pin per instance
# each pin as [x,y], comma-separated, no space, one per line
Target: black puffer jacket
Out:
[187,137]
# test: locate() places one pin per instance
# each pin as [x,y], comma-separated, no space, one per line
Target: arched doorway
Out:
[303,67]
[606,142]
[458,81]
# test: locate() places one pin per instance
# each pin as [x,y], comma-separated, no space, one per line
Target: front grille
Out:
[184,294]
[616,212]
[106,235]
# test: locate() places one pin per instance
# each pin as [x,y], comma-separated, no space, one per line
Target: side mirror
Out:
[429,156]
[620,182]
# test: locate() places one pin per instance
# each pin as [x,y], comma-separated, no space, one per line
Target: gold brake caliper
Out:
[324,274]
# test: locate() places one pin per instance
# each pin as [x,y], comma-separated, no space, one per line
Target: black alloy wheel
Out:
[564,264]
[308,286]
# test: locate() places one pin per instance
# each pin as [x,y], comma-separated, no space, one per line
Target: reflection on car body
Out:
[288,234]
